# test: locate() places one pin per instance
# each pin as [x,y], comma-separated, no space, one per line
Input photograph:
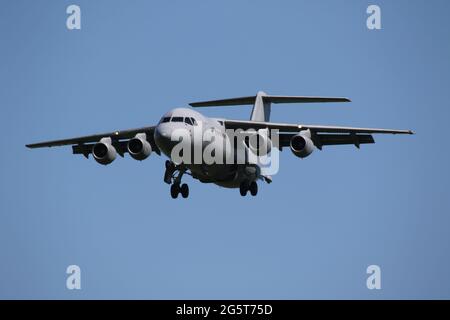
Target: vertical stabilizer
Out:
[261,108]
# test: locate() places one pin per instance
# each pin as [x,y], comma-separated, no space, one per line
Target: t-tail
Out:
[262,103]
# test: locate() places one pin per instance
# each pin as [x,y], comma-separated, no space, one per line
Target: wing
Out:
[287,127]
[83,145]
[321,135]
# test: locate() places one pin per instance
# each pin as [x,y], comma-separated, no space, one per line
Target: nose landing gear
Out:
[170,177]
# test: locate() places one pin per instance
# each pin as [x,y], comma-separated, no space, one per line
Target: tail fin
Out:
[262,103]
[261,108]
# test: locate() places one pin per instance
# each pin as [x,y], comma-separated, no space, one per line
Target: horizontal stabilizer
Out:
[303,99]
[225,102]
[266,98]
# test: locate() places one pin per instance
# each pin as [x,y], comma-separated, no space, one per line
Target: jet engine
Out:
[138,147]
[104,152]
[301,145]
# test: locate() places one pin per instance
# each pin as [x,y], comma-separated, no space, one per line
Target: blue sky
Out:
[310,234]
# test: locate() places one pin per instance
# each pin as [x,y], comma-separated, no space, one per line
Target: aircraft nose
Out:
[162,132]
[162,138]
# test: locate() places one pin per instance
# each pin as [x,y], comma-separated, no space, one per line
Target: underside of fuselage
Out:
[225,175]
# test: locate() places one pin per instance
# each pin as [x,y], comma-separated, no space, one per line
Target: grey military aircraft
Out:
[239,172]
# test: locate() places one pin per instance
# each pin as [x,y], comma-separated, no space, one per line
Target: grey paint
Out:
[231,176]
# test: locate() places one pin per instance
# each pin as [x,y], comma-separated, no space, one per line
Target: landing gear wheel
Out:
[243,188]
[184,190]
[253,188]
[174,190]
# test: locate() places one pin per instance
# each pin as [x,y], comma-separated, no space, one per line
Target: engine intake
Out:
[138,147]
[301,145]
[104,152]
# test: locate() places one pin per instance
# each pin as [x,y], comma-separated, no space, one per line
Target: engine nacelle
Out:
[259,143]
[104,152]
[138,147]
[301,145]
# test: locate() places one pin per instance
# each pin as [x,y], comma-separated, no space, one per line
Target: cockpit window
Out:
[188,121]
[177,119]
[193,121]
[165,119]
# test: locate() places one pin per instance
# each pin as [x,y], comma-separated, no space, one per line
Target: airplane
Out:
[244,174]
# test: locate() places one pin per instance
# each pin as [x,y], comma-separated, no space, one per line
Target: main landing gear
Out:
[176,189]
[171,177]
[246,186]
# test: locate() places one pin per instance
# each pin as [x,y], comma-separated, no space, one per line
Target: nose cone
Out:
[162,138]
[162,131]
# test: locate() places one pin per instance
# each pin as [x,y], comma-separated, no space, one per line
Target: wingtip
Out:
[32,145]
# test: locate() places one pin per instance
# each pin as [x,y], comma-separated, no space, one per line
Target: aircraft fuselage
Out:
[223,174]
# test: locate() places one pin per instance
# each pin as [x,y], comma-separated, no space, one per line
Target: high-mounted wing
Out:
[286,127]
[83,145]
[321,135]
[115,135]
[325,139]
